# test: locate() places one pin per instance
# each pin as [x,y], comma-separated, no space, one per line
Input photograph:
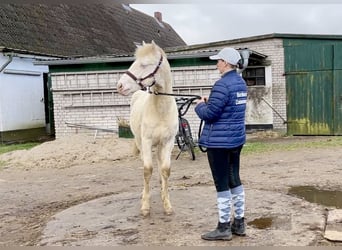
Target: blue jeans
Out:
[225,167]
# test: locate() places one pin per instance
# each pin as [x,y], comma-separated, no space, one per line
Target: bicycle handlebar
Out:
[184,102]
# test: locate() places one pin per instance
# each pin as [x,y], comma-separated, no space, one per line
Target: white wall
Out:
[257,110]
[21,94]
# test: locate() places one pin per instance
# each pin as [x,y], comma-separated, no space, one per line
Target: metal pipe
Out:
[284,121]
[10,58]
[88,127]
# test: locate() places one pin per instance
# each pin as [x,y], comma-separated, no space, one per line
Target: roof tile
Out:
[80,30]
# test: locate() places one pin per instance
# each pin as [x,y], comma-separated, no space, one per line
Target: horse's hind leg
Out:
[164,165]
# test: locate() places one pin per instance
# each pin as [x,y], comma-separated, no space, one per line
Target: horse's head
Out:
[144,70]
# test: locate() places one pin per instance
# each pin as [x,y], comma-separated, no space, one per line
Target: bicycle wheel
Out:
[190,147]
[185,142]
[180,141]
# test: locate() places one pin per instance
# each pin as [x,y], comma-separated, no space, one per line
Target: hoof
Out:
[145,212]
[168,211]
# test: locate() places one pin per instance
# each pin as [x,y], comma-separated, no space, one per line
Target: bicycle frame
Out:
[184,136]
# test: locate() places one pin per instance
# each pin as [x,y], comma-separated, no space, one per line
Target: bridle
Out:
[139,81]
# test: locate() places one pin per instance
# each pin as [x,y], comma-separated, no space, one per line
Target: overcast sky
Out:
[203,23]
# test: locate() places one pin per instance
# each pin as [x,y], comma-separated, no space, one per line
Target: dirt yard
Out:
[81,192]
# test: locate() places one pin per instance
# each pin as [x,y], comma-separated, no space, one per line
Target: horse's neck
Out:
[167,89]
[165,79]
[162,103]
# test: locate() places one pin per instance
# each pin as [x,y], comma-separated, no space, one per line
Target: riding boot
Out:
[238,227]
[222,232]
[238,198]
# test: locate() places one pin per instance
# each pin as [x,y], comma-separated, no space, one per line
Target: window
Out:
[254,76]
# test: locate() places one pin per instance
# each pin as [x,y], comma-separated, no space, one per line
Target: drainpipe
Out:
[10,58]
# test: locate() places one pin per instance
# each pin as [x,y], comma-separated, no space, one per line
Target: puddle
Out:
[276,222]
[311,194]
[261,223]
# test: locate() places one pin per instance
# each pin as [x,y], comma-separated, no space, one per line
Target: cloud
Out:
[202,23]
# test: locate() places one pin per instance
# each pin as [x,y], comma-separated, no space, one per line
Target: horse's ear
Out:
[143,43]
[154,45]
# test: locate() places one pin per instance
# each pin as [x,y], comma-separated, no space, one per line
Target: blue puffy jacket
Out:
[224,113]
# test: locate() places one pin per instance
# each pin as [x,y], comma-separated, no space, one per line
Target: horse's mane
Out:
[148,49]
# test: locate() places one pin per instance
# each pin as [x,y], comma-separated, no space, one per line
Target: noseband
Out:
[140,80]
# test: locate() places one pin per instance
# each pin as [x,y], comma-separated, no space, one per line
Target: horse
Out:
[153,116]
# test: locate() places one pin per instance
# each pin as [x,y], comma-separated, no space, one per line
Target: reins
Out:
[171,94]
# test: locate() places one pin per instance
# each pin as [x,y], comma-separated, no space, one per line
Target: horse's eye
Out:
[145,63]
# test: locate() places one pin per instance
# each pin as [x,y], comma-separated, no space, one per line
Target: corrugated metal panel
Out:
[337,98]
[338,102]
[309,103]
[309,57]
[313,89]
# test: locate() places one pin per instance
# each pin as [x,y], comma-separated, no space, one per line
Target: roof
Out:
[129,58]
[196,50]
[232,42]
[80,30]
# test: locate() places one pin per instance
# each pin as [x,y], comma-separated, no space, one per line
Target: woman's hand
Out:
[203,99]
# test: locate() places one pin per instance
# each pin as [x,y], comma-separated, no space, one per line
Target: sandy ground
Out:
[81,192]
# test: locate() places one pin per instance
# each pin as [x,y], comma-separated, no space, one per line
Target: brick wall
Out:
[90,99]
[87,99]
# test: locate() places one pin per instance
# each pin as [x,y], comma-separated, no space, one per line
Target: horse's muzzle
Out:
[121,89]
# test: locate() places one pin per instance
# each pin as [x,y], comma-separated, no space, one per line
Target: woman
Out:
[224,135]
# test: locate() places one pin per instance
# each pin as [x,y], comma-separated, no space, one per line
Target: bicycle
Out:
[184,138]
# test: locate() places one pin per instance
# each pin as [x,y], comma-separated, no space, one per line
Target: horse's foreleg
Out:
[165,173]
[164,158]
[145,201]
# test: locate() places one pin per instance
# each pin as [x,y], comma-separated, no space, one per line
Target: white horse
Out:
[153,117]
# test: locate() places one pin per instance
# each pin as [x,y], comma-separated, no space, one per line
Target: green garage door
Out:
[314,89]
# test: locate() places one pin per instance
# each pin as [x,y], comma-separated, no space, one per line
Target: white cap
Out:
[230,55]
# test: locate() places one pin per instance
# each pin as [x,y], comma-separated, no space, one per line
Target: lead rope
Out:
[199,135]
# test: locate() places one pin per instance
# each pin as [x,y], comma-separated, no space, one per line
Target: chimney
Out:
[158,16]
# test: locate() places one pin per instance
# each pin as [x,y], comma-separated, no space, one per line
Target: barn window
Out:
[254,76]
